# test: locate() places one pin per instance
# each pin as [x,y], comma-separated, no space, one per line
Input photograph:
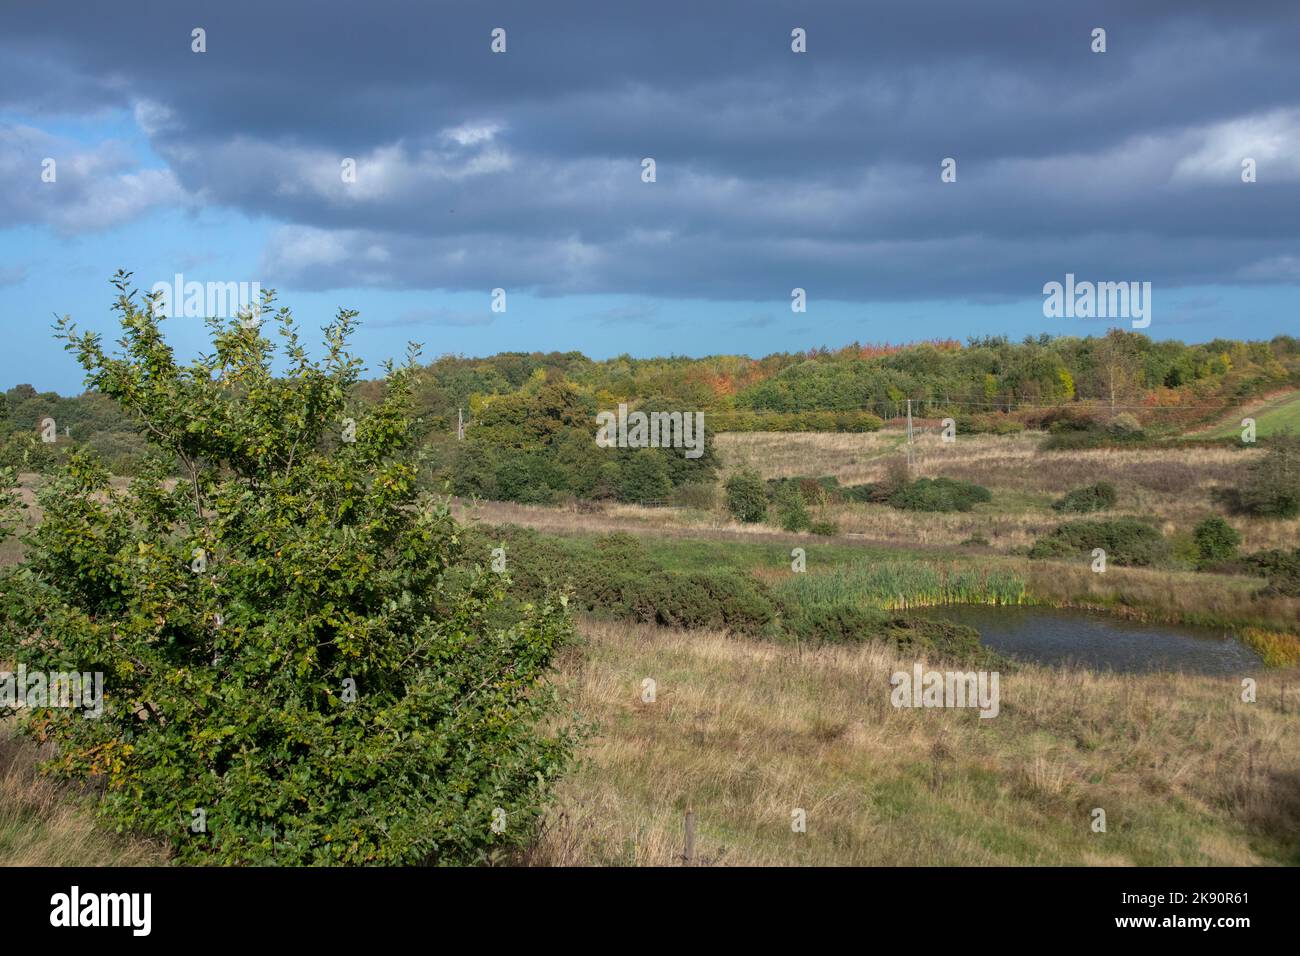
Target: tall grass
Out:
[900,585]
[745,731]
[44,822]
[1276,648]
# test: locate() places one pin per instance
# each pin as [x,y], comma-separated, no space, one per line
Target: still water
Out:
[1048,635]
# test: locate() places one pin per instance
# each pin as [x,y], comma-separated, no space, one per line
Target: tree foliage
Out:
[297,648]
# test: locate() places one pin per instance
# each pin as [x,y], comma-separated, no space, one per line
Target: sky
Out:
[524,170]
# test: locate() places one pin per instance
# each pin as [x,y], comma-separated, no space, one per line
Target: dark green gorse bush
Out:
[1098,497]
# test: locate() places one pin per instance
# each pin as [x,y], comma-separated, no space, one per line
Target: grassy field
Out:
[743,733]
[1278,413]
[1173,486]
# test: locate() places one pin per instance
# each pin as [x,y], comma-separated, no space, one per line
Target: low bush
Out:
[791,511]
[1098,497]
[1079,430]
[1126,541]
[714,599]
[907,636]
[939,494]
[1216,540]
[1272,485]
[1280,567]
[812,490]
[868,493]
[995,424]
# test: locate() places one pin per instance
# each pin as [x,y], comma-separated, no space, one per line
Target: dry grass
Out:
[1173,486]
[743,733]
[49,823]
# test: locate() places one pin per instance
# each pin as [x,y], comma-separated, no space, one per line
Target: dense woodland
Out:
[530,416]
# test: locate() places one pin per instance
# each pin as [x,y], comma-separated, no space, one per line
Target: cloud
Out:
[1273,269]
[1271,139]
[774,170]
[89,189]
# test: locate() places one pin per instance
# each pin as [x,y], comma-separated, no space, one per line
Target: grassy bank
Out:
[49,823]
[744,732]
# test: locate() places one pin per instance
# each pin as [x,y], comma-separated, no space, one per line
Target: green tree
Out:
[791,510]
[296,647]
[747,497]
[1216,540]
[645,477]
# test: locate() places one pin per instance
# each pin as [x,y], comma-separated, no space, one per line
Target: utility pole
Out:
[460,424]
[909,435]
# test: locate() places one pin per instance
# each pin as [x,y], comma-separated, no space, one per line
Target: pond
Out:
[1055,636]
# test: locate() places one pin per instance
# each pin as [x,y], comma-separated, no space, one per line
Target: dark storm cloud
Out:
[774,170]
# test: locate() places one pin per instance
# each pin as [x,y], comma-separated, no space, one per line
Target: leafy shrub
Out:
[233,613]
[939,494]
[1098,497]
[1126,541]
[645,477]
[747,497]
[1280,567]
[1216,540]
[474,470]
[791,512]
[1272,485]
[1124,425]
[906,636]
[812,490]
[824,528]
[1079,431]
[868,493]
[997,424]
[700,599]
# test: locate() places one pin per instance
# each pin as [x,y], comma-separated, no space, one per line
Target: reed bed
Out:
[902,585]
